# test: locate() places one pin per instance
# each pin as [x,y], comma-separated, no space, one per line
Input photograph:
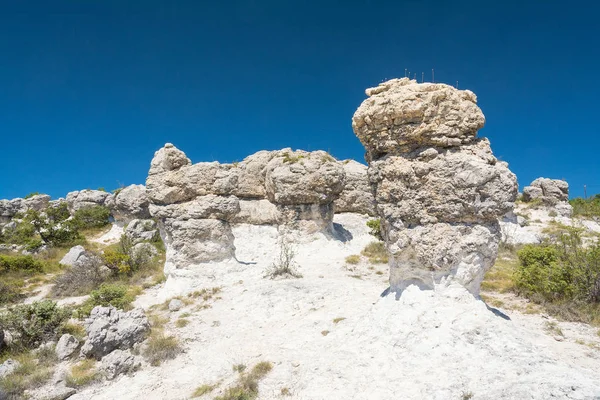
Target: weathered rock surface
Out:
[129,203]
[141,230]
[73,255]
[8,208]
[439,190]
[196,204]
[175,305]
[356,196]
[8,367]
[119,362]
[66,346]
[87,198]
[552,193]
[109,329]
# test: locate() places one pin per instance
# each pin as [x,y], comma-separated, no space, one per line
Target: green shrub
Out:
[9,293]
[117,261]
[564,269]
[92,217]
[35,323]
[30,195]
[106,295]
[19,263]
[586,207]
[375,226]
[53,228]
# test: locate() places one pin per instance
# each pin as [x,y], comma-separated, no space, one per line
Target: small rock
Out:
[67,344]
[8,367]
[175,305]
[559,338]
[119,362]
[72,256]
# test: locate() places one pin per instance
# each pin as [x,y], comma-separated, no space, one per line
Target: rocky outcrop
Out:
[553,193]
[74,253]
[196,204]
[119,362]
[66,346]
[438,188]
[356,196]
[109,329]
[141,230]
[9,208]
[87,198]
[129,203]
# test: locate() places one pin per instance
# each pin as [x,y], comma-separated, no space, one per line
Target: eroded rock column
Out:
[438,188]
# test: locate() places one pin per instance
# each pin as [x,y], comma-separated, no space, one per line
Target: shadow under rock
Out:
[245,262]
[342,234]
[498,313]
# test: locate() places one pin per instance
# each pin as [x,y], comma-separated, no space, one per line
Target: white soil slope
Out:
[428,345]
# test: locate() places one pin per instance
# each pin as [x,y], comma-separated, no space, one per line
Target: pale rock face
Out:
[196,204]
[301,177]
[8,367]
[439,190]
[400,116]
[141,230]
[129,203]
[356,196]
[109,329]
[8,208]
[73,255]
[119,362]
[66,346]
[87,198]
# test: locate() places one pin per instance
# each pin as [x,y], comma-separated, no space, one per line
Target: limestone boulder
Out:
[66,346]
[129,203]
[87,198]
[439,190]
[109,329]
[74,253]
[141,230]
[548,191]
[9,208]
[119,362]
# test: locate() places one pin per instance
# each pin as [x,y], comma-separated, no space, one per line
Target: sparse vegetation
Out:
[116,295]
[353,259]
[376,253]
[181,322]
[553,328]
[466,395]
[30,195]
[247,386]
[291,158]
[285,391]
[204,389]
[92,217]
[30,374]
[586,207]
[82,374]
[338,319]
[161,348]
[285,265]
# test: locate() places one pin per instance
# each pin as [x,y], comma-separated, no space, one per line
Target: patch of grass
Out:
[379,272]
[285,391]
[500,278]
[204,389]
[206,293]
[30,374]
[376,253]
[160,348]
[355,276]
[291,158]
[466,395]
[181,322]
[83,373]
[353,259]
[325,333]
[185,315]
[553,328]
[239,368]
[338,319]
[247,386]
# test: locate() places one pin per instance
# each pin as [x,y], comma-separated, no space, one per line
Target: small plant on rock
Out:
[375,228]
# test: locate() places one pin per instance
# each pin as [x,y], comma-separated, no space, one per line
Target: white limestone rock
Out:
[66,346]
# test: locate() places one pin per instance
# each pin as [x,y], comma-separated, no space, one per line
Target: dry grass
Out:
[204,389]
[552,328]
[246,387]
[181,323]
[338,319]
[30,374]
[500,277]
[353,259]
[376,253]
[160,348]
[325,333]
[285,391]
[83,373]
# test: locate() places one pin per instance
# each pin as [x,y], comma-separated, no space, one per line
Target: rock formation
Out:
[553,193]
[356,196]
[129,203]
[438,188]
[86,198]
[9,208]
[197,203]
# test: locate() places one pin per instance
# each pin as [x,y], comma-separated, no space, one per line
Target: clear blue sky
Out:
[90,89]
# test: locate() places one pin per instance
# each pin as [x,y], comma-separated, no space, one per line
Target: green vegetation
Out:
[285,265]
[291,158]
[33,324]
[586,207]
[32,194]
[375,226]
[376,253]
[247,386]
[116,295]
[31,373]
[19,263]
[204,389]
[92,217]
[353,259]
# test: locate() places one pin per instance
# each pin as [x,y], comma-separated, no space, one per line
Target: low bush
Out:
[35,323]
[586,207]
[375,228]
[115,295]
[92,217]
[80,280]
[20,263]
[285,265]
[353,259]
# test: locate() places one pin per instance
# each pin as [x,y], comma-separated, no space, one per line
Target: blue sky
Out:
[90,89]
